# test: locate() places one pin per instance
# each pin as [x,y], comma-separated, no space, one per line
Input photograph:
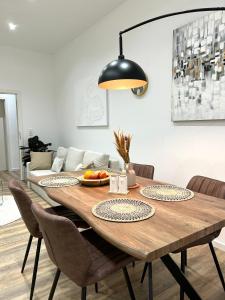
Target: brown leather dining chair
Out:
[210,187]
[24,202]
[146,171]
[84,257]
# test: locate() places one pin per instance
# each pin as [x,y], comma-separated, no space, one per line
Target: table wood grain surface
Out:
[174,225]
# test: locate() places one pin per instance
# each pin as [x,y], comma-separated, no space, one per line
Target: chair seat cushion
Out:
[205,240]
[105,258]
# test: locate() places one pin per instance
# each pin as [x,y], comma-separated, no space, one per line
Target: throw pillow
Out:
[57,164]
[81,166]
[100,160]
[61,152]
[73,159]
[41,160]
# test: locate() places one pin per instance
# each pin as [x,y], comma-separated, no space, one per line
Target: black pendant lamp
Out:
[127,74]
[122,73]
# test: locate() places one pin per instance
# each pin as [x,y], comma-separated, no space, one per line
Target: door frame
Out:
[19,120]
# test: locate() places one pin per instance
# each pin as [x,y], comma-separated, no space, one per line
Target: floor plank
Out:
[15,286]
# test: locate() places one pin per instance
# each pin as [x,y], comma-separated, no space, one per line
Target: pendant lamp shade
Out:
[122,74]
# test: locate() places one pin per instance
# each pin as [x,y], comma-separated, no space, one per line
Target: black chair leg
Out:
[150,284]
[84,293]
[27,253]
[182,267]
[96,287]
[54,284]
[35,268]
[144,272]
[217,264]
[129,286]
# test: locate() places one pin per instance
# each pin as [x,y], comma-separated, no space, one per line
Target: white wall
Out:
[30,74]
[178,151]
[11,130]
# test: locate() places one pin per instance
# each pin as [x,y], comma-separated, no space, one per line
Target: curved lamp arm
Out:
[163,17]
[124,73]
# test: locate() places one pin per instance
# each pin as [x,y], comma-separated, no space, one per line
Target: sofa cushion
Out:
[41,172]
[57,164]
[41,160]
[100,160]
[73,159]
[61,152]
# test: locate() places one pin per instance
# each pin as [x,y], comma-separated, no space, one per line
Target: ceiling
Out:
[48,25]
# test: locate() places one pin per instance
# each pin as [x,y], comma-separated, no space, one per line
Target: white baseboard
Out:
[219,244]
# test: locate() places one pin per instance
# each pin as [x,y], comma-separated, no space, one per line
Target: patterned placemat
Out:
[166,193]
[123,210]
[58,181]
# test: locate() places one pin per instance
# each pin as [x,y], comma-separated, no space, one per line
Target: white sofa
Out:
[73,159]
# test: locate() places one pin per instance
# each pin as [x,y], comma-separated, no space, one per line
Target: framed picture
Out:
[92,104]
[198,84]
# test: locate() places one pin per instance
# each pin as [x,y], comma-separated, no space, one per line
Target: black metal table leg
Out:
[186,254]
[182,267]
[217,264]
[27,253]
[180,277]
[150,287]
[129,285]
[144,272]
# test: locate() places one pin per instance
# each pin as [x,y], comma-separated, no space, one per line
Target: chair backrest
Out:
[24,202]
[146,171]
[208,186]
[65,245]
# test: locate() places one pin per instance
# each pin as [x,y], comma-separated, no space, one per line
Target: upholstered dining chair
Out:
[210,187]
[84,257]
[24,202]
[146,171]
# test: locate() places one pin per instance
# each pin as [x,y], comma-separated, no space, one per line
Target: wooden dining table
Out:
[173,226]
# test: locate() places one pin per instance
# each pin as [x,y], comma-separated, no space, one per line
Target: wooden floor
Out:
[13,285]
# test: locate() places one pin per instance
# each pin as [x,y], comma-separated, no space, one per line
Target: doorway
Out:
[9,133]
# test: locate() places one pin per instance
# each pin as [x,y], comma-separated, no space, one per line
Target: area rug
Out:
[8,210]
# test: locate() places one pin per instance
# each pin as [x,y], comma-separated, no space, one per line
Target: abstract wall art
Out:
[198,87]
[92,104]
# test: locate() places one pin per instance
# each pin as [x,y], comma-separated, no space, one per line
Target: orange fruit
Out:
[88,173]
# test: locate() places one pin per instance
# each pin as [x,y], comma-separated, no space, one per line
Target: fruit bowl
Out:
[97,178]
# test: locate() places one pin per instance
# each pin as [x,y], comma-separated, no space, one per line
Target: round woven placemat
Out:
[123,210]
[58,181]
[166,193]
